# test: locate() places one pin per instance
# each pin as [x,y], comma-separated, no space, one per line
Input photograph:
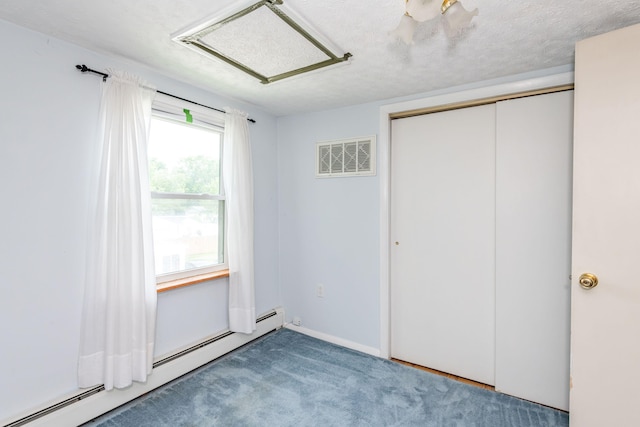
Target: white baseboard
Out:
[334,340]
[101,402]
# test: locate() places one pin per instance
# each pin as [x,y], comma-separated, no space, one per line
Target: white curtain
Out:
[119,311]
[238,185]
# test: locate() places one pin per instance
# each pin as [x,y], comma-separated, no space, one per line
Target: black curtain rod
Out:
[83,68]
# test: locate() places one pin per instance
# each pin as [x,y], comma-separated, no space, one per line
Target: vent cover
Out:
[346,157]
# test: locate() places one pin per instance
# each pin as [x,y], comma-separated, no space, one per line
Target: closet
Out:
[481,232]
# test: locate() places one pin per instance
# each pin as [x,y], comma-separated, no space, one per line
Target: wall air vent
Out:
[264,39]
[346,157]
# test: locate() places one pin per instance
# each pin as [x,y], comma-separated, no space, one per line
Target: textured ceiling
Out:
[507,37]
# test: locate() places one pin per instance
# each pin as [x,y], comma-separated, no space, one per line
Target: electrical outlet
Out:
[297,321]
[320,291]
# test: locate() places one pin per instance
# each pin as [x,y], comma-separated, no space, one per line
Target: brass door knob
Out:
[588,281]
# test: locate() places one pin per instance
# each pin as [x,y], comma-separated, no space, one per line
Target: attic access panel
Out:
[262,40]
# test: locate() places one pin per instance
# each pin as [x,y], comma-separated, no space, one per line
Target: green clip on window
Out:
[188,115]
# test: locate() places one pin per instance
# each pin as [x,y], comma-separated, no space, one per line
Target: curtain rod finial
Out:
[84,69]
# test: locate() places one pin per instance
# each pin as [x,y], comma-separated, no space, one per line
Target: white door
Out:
[533,247]
[443,220]
[605,321]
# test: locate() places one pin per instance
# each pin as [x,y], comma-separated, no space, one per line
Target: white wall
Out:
[48,118]
[328,229]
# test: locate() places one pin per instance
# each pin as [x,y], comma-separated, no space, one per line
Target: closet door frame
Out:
[455,99]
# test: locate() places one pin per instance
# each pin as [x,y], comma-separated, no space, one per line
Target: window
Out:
[187,198]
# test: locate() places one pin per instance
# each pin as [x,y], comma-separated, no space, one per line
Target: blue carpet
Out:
[290,379]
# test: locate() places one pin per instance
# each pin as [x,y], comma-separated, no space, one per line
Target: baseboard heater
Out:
[92,403]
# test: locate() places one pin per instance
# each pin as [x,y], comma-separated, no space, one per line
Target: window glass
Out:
[186,197]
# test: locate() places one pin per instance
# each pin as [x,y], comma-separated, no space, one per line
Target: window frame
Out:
[186,114]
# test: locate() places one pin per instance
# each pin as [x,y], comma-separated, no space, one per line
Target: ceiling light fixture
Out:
[264,39]
[455,17]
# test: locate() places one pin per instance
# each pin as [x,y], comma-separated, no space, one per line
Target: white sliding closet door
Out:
[443,233]
[533,247]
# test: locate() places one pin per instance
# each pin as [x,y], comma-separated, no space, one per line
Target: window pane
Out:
[183,158]
[185,234]
[184,161]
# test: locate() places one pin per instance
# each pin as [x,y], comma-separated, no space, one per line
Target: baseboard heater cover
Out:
[92,403]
